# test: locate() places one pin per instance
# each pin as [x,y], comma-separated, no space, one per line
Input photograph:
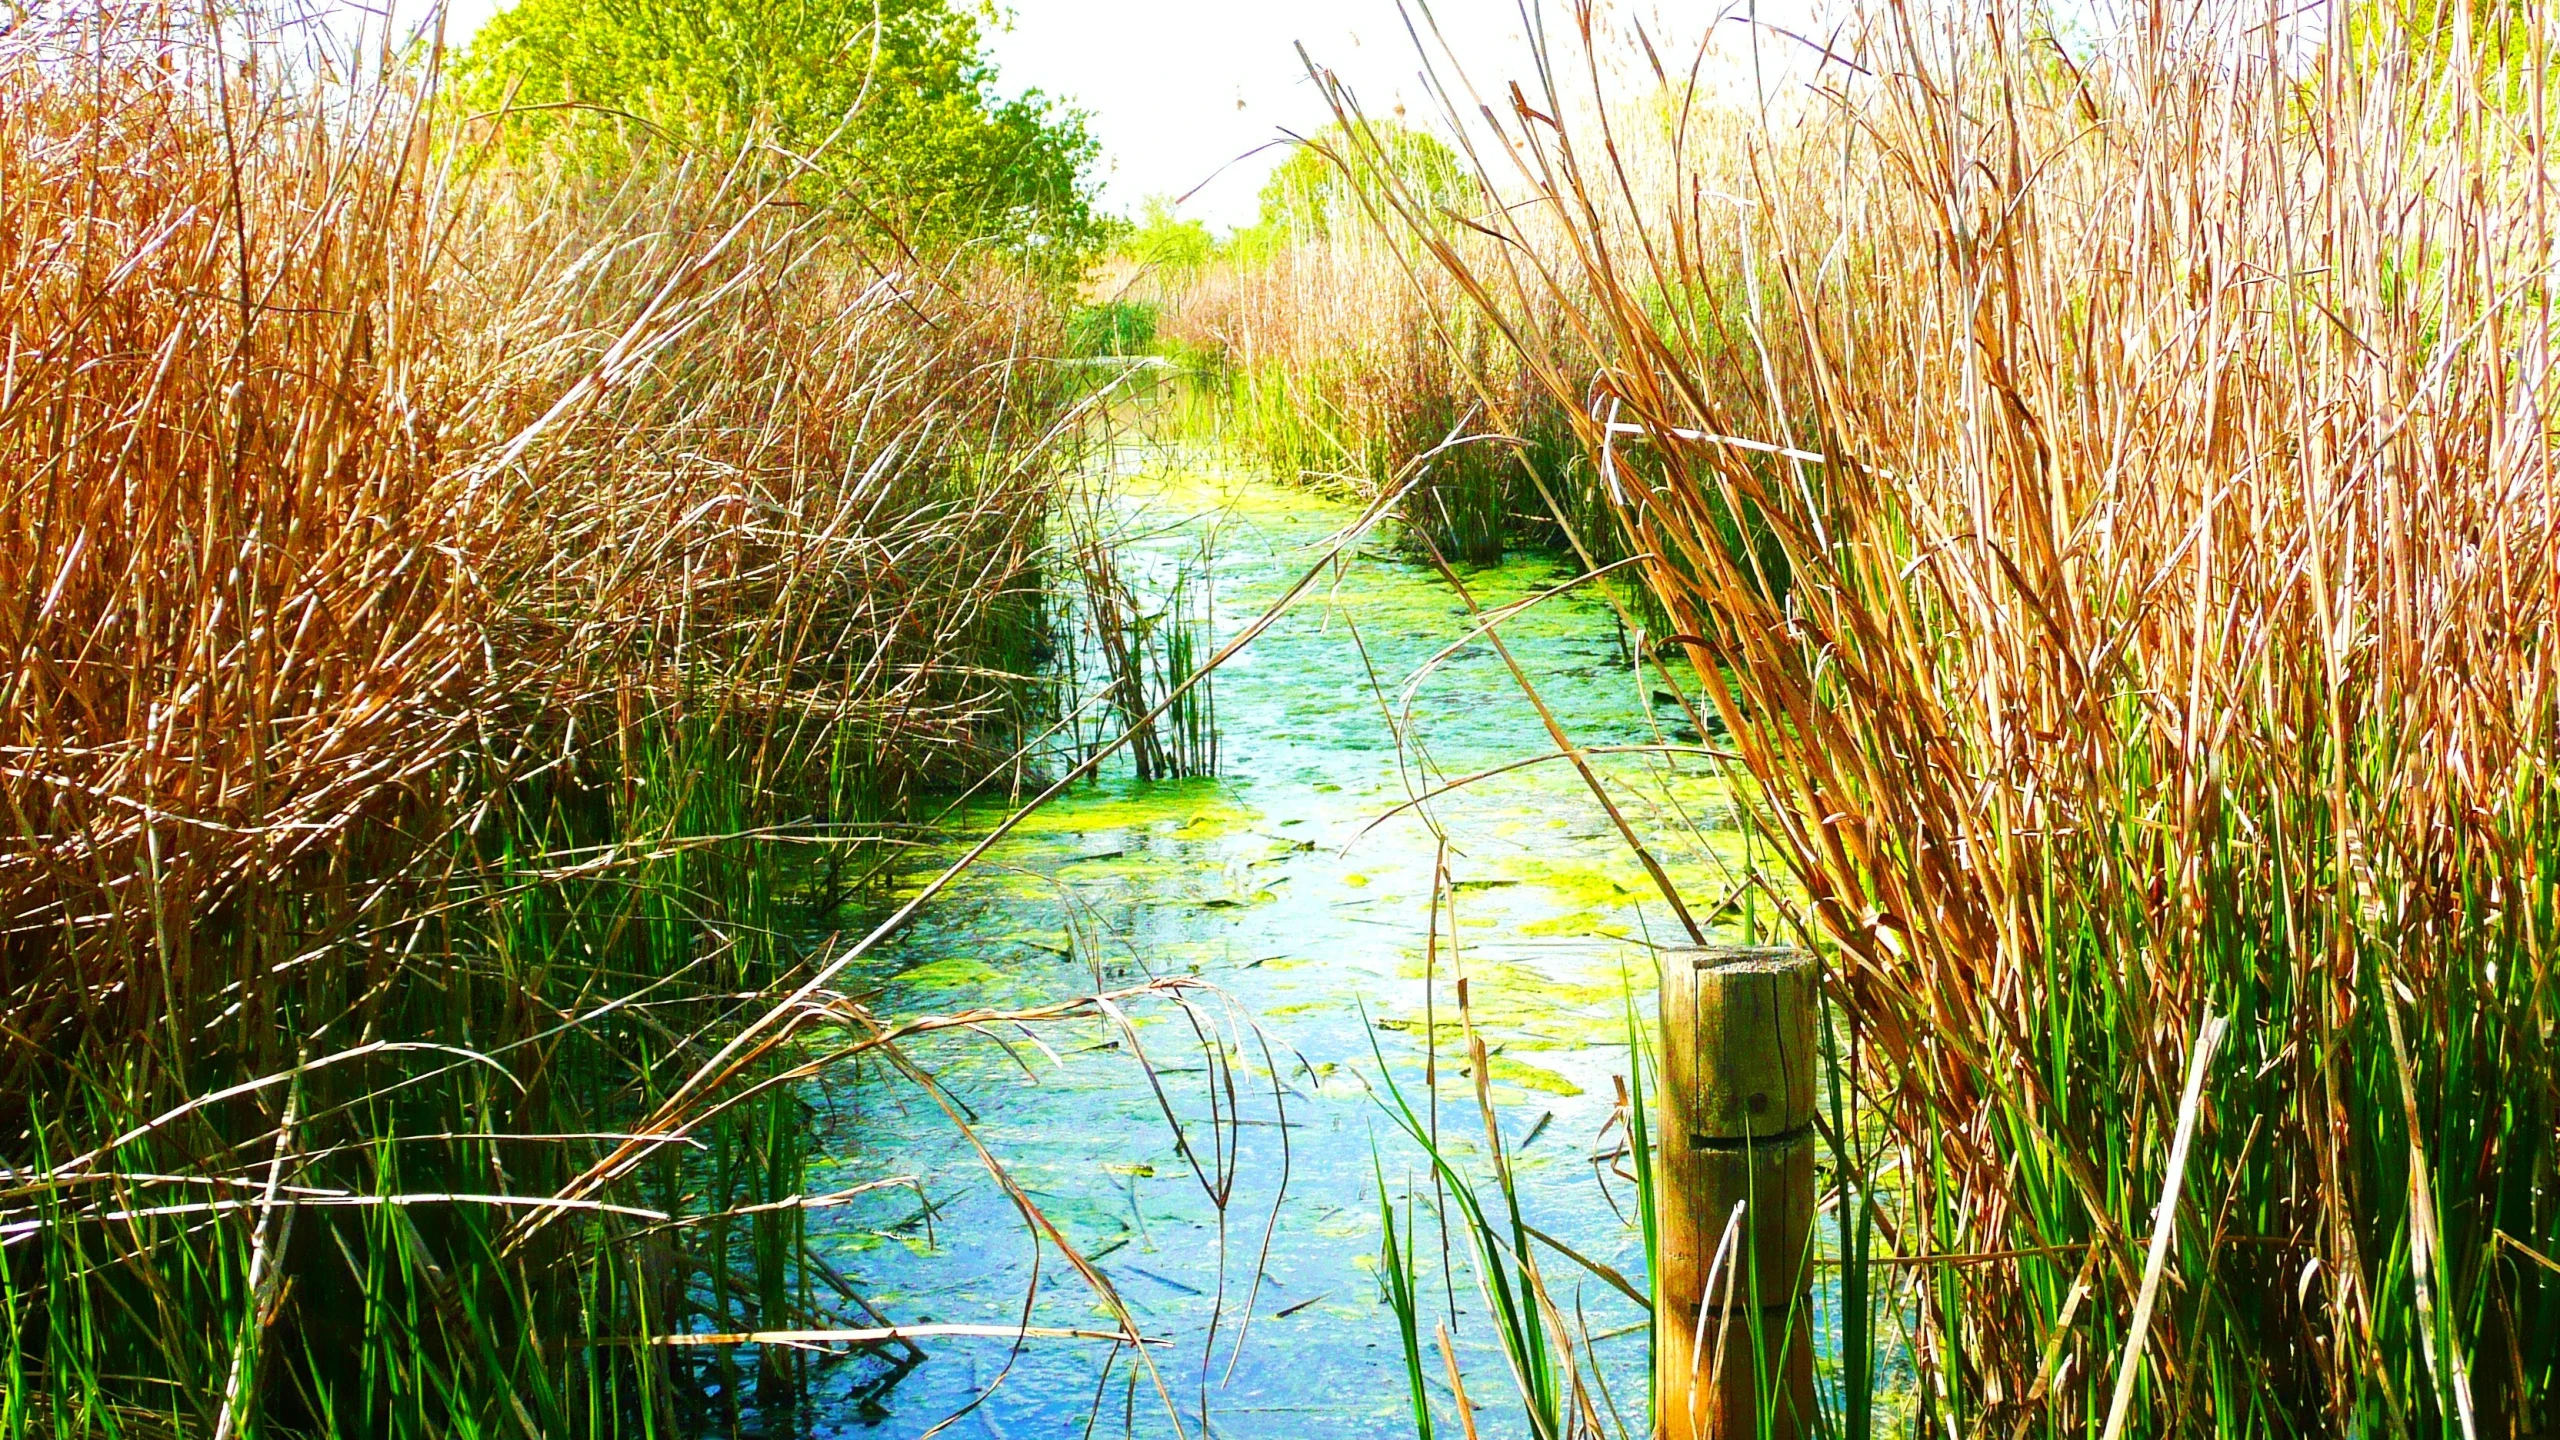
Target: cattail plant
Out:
[2106,489]
[455,590]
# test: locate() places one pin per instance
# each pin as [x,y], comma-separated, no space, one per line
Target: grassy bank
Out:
[472,606]
[2107,492]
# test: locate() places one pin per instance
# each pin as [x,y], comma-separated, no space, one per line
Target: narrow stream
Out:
[1275,885]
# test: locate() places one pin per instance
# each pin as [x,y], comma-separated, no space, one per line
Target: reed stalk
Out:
[2105,490]
[465,605]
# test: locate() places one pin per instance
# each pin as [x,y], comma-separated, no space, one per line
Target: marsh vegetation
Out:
[661,694]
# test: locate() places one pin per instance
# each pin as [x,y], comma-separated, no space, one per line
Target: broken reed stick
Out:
[2164,1223]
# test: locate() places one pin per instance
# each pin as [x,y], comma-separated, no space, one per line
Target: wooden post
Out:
[1737,1095]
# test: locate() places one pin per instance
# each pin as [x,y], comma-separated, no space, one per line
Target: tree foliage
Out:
[1166,241]
[1310,195]
[897,98]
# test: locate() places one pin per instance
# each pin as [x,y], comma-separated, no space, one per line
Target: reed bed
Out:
[1335,355]
[2105,488]
[469,612]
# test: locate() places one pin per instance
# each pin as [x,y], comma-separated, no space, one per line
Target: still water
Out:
[1300,898]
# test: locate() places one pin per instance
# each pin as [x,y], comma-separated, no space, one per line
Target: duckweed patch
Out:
[1521,1073]
[1271,883]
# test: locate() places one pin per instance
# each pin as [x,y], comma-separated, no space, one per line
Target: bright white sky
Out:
[1179,88]
[1176,89]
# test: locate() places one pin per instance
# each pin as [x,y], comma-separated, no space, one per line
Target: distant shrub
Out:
[1168,243]
[1114,327]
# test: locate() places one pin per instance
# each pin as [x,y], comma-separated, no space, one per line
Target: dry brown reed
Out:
[430,571]
[242,621]
[1344,343]
[2107,490]
[331,463]
[1341,355]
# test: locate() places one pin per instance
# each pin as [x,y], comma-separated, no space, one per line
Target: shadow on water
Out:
[1310,925]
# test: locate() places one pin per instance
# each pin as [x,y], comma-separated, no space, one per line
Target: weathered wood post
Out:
[1737,1095]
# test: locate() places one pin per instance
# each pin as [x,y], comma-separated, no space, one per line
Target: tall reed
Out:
[1334,356]
[454,600]
[2106,489]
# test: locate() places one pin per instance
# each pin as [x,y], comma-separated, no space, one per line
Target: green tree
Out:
[1308,196]
[899,92]
[1167,242]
